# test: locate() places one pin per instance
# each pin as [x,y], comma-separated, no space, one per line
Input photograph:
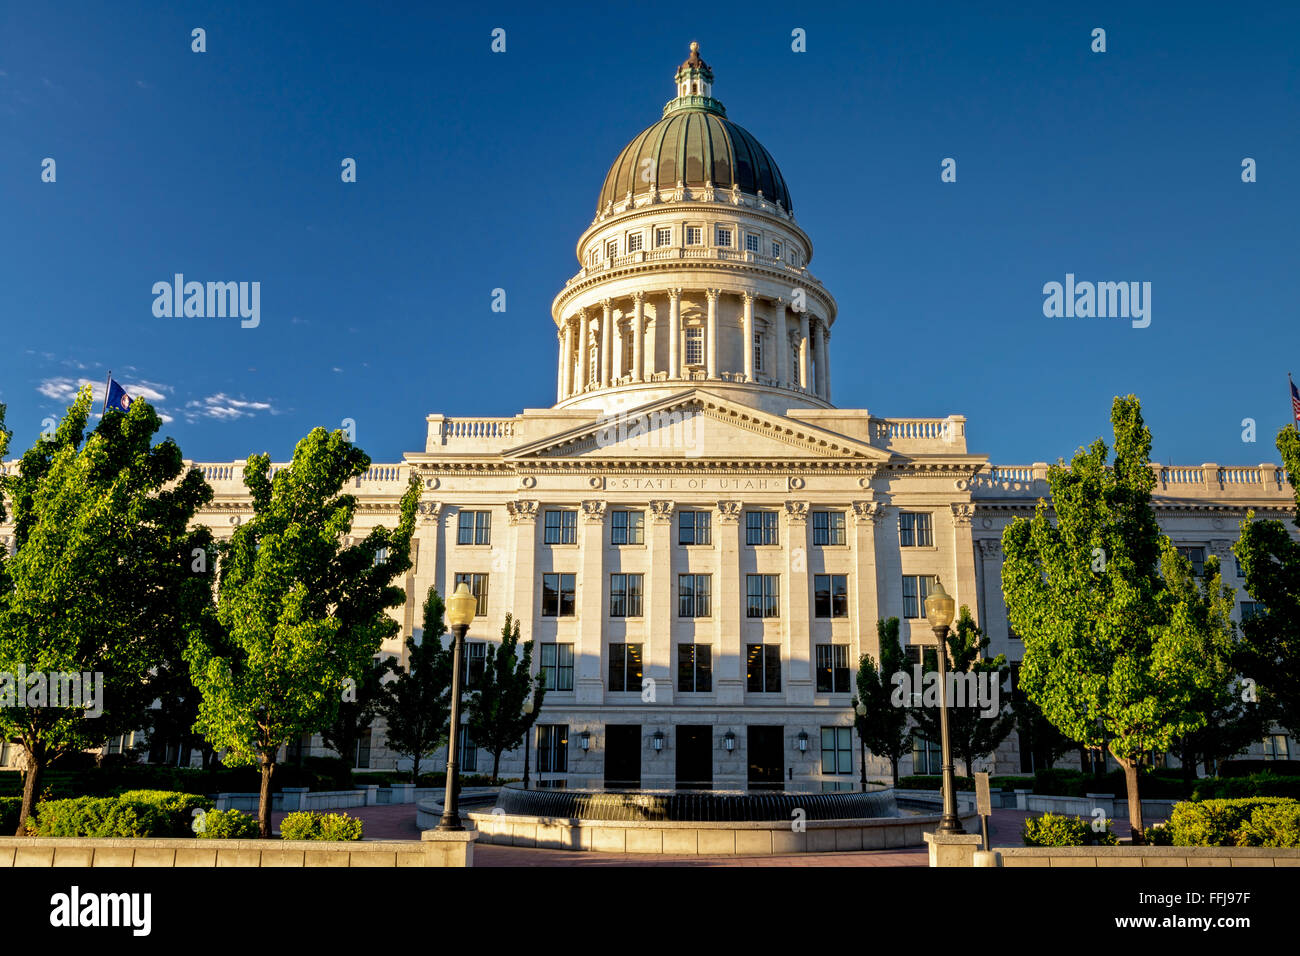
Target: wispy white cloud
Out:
[64,390]
[224,408]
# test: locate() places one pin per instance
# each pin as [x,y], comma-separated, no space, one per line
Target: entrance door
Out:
[622,756]
[766,757]
[695,757]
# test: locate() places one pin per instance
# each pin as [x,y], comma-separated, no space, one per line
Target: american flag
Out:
[1295,401]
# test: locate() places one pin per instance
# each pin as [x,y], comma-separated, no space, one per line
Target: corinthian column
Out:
[819,352]
[605,321]
[584,351]
[711,335]
[638,333]
[747,334]
[803,350]
[674,323]
[563,342]
[782,336]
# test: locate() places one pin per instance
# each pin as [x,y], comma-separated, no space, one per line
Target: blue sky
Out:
[479,170]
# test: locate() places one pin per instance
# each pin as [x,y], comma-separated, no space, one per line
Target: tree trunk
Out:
[893,766]
[264,801]
[415,769]
[1187,757]
[496,763]
[1134,799]
[31,781]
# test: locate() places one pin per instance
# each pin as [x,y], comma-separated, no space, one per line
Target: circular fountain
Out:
[698,822]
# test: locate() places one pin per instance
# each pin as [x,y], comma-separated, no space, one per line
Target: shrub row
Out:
[226,825]
[1249,821]
[139,813]
[309,825]
[1055,830]
[1263,784]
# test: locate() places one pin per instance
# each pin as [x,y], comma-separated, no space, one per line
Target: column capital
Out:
[729,512]
[638,296]
[962,513]
[429,510]
[796,511]
[712,294]
[748,297]
[873,511]
[523,511]
[607,304]
[661,509]
[674,294]
[593,511]
[581,315]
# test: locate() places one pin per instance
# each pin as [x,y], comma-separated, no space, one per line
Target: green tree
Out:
[1039,735]
[1234,717]
[495,712]
[301,612]
[885,727]
[1270,560]
[357,710]
[417,704]
[1106,655]
[101,578]
[971,734]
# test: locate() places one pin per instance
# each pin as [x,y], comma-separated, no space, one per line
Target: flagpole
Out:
[108,383]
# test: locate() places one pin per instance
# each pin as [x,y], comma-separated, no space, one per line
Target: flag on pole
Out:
[1295,401]
[116,397]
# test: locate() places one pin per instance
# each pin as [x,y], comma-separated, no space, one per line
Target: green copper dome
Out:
[695,144]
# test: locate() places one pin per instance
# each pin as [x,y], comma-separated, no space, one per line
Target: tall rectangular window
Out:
[625,595]
[763,668]
[558,595]
[611,249]
[724,237]
[557,666]
[474,663]
[758,352]
[474,527]
[634,241]
[762,595]
[552,748]
[753,242]
[776,250]
[695,668]
[927,758]
[833,669]
[627,527]
[828,527]
[466,752]
[916,588]
[560,527]
[1196,555]
[663,237]
[695,346]
[1250,610]
[478,586]
[914,530]
[761,527]
[694,595]
[625,667]
[694,235]
[830,595]
[694,527]
[837,750]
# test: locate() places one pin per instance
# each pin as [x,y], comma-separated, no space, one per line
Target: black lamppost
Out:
[460,611]
[939,607]
[528,742]
[860,709]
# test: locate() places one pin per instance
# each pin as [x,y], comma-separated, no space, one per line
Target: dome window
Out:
[753,243]
[611,249]
[695,346]
[663,237]
[694,236]
[634,241]
[724,237]
[776,250]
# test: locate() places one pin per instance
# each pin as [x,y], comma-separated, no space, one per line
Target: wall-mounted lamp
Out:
[584,740]
[657,741]
[729,740]
[802,741]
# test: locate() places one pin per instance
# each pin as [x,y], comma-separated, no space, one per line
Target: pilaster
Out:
[797,644]
[591,584]
[729,659]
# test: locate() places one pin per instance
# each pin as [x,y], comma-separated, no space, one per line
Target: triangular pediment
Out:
[696,424]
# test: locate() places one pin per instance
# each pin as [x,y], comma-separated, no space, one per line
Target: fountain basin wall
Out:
[711,806]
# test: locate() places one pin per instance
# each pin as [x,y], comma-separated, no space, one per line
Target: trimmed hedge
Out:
[227,825]
[316,773]
[1263,784]
[310,825]
[1221,822]
[10,808]
[177,807]
[1055,830]
[140,813]
[1275,825]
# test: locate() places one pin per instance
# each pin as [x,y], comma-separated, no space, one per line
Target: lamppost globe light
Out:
[939,606]
[860,709]
[462,605]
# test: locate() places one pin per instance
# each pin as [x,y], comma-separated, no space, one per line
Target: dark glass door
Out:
[695,757]
[622,756]
[766,757]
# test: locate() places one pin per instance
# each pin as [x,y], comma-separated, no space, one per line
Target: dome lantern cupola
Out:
[694,86]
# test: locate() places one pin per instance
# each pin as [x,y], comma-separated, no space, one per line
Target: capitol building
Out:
[696,538]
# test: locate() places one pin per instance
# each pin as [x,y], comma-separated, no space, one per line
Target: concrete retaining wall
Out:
[441,849]
[1149,856]
[1116,808]
[300,798]
[705,839]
